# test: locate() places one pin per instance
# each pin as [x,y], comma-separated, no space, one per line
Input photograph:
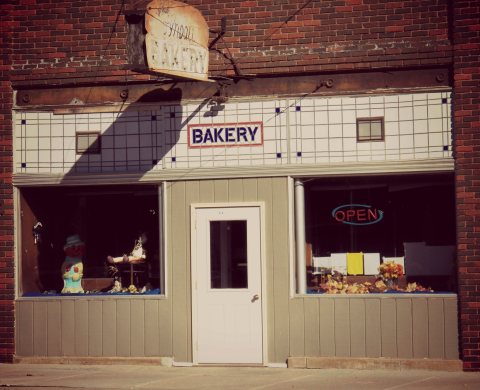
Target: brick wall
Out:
[467,128]
[6,199]
[80,41]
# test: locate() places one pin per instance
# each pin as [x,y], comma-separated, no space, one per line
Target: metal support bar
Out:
[221,33]
[300,237]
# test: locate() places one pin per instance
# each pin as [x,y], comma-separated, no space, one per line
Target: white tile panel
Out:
[57,156]
[391,114]
[392,143]
[120,154]
[335,116]
[391,129]
[335,144]
[377,112]
[44,156]
[420,126]
[69,155]
[308,145]
[435,125]
[406,141]
[363,113]
[378,145]
[420,112]
[421,140]
[435,110]
[44,143]
[406,127]
[435,139]
[364,100]
[323,129]
[349,144]
[405,113]
[31,144]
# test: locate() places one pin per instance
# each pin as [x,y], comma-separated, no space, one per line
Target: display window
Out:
[90,240]
[380,234]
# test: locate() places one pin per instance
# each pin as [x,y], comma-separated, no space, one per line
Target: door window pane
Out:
[228,251]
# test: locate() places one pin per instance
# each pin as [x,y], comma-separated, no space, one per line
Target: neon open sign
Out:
[357,214]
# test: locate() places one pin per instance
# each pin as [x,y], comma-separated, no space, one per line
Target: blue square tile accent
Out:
[174,159]
[24,165]
[299,154]
[172,115]
[298,108]
[445,148]
[24,121]
[154,162]
[444,101]
[154,117]
[279,155]
[277,110]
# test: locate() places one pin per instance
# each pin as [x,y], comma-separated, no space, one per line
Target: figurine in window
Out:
[72,267]
[137,255]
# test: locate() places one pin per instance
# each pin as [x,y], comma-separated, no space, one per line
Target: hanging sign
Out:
[357,214]
[225,135]
[176,42]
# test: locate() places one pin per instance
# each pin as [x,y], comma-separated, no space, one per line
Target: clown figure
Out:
[72,267]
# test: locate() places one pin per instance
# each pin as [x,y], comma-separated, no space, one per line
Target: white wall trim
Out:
[163,233]
[291,238]
[295,170]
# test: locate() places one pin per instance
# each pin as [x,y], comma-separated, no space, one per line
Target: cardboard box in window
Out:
[422,259]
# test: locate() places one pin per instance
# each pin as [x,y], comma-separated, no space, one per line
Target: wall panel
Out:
[403,326]
[377,326]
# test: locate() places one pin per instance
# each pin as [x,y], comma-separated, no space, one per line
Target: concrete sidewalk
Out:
[73,376]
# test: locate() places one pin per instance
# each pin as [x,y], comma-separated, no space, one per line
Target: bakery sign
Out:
[357,214]
[176,40]
[225,135]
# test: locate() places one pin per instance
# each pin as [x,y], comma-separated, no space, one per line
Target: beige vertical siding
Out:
[396,326]
[317,325]
[271,191]
[91,326]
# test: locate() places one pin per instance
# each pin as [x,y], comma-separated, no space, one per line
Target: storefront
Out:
[233,271]
[263,183]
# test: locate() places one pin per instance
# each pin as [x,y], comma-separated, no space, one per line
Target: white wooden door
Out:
[228,285]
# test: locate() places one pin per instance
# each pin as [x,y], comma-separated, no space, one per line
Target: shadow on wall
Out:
[108,217]
[136,139]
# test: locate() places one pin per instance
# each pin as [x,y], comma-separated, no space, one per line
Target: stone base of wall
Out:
[156,361]
[374,363]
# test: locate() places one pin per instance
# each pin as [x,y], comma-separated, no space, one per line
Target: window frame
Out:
[21,294]
[371,120]
[94,148]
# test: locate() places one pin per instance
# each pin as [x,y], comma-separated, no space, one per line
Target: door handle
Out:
[256,297]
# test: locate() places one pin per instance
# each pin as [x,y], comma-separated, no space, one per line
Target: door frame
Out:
[194,259]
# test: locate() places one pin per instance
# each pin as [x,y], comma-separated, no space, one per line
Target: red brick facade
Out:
[467,137]
[71,43]
[6,199]
[62,42]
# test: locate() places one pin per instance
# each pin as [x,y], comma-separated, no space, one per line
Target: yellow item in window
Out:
[355,263]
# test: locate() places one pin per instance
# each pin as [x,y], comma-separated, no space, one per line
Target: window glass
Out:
[228,254]
[370,129]
[376,129]
[394,230]
[88,143]
[363,131]
[101,240]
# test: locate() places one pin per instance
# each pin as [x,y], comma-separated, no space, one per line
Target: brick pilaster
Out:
[466,37]
[7,287]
